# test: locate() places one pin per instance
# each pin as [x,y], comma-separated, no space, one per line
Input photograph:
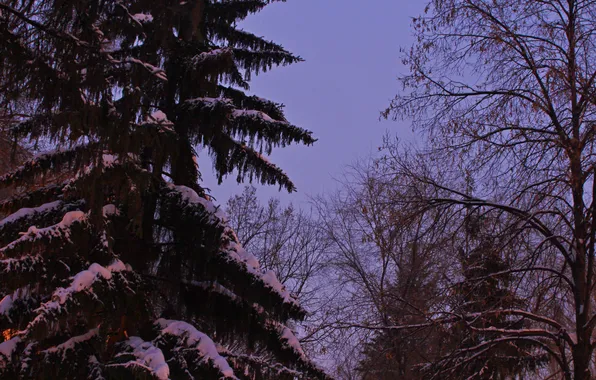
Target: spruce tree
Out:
[481,300]
[116,263]
[400,354]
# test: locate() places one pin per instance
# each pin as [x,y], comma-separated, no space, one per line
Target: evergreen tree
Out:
[399,354]
[483,296]
[11,156]
[115,263]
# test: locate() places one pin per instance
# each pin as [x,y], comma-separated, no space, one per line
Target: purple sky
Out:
[352,58]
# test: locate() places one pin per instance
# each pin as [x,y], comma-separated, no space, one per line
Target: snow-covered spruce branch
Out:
[59,232]
[232,251]
[45,194]
[193,342]
[25,214]
[286,337]
[81,288]
[12,304]
[243,101]
[141,356]
[52,212]
[71,344]
[50,161]
[253,123]
[241,360]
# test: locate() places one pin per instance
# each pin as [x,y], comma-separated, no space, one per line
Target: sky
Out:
[352,61]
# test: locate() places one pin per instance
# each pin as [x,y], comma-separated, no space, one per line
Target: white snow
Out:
[271,280]
[82,281]
[118,266]
[70,344]
[6,304]
[15,264]
[216,287]
[244,255]
[7,348]
[142,17]
[60,229]
[71,217]
[263,158]
[208,102]
[8,301]
[234,249]
[150,357]
[108,160]
[29,212]
[290,339]
[159,73]
[191,337]
[110,210]
[210,54]
[190,196]
[254,114]
[158,117]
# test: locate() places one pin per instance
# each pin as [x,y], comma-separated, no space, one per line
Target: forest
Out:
[467,252]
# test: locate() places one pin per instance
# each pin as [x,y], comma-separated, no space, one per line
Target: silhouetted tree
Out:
[126,269]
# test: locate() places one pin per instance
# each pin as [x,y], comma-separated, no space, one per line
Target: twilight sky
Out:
[352,58]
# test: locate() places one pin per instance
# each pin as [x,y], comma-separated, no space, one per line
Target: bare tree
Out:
[504,90]
[289,242]
[387,265]
[286,240]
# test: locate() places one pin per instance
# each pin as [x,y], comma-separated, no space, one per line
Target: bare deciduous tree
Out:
[286,240]
[289,242]
[388,266]
[506,89]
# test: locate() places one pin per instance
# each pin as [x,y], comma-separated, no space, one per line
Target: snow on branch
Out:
[64,298]
[137,18]
[32,198]
[232,248]
[287,339]
[142,17]
[254,123]
[160,118]
[242,361]
[157,72]
[212,56]
[207,102]
[190,337]
[291,341]
[7,304]
[256,115]
[70,344]
[28,264]
[190,197]
[61,230]
[243,101]
[146,356]
[6,350]
[46,162]
[28,213]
